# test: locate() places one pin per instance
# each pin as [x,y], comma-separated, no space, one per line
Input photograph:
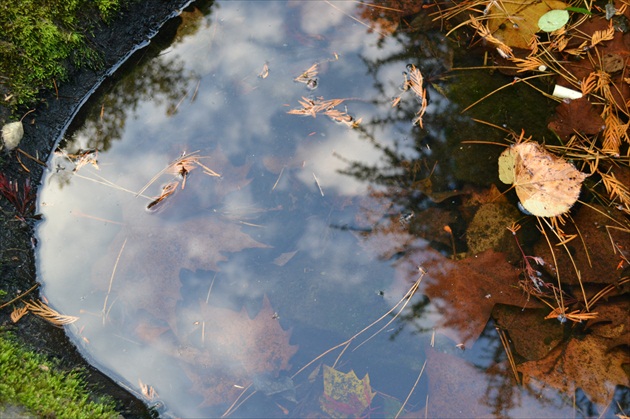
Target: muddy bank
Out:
[117,42]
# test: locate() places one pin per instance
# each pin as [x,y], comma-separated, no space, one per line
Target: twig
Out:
[402,407]
[20,296]
[111,279]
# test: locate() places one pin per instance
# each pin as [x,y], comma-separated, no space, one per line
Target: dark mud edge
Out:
[130,30]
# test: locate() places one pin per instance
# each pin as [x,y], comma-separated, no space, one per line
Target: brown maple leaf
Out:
[147,275]
[595,259]
[532,336]
[612,322]
[463,293]
[585,364]
[232,349]
[157,246]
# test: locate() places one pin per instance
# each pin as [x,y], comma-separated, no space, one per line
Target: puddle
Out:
[216,245]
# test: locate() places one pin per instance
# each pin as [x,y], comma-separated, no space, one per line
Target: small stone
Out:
[12,134]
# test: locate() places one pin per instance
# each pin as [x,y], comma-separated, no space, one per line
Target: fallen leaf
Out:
[147,276]
[546,185]
[232,350]
[159,245]
[459,389]
[462,293]
[612,322]
[344,394]
[581,363]
[514,23]
[595,258]
[452,393]
[553,20]
[533,337]
[487,230]
[576,116]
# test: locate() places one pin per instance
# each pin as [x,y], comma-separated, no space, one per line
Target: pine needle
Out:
[308,75]
[40,309]
[601,36]
[18,313]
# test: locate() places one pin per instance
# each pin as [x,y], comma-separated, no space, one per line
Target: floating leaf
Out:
[514,23]
[344,394]
[507,166]
[545,184]
[553,20]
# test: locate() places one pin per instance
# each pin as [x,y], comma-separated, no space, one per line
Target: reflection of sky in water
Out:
[330,284]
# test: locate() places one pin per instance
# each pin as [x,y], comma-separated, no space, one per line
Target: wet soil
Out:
[119,42]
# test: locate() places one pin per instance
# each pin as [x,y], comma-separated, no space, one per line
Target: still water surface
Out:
[276,238]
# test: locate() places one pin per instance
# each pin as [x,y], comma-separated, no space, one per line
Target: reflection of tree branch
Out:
[153,77]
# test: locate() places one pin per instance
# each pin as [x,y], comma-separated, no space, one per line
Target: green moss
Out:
[33,382]
[41,39]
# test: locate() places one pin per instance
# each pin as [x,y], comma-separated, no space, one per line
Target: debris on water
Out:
[546,185]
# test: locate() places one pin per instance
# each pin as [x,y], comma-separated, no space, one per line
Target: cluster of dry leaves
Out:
[413,81]
[465,294]
[588,56]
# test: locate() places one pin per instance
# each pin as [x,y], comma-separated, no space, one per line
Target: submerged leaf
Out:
[576,116]
[585,364]
[159,245]
[460,389]
[463,293]
[344,394]
[231,348]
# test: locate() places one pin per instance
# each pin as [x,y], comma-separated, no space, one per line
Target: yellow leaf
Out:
[507,161]
[545,184]
[514,23]
[344,394]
